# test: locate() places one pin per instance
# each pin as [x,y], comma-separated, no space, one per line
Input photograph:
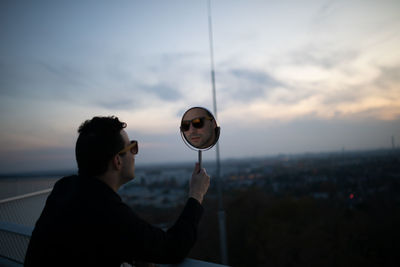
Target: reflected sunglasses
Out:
[197,123]
[133,147]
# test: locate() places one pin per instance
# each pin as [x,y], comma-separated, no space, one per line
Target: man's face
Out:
[128,168]
[199,137]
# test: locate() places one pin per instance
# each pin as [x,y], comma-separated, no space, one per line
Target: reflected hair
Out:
[98,142]
[217,129]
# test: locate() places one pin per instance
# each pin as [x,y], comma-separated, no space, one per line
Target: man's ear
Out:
[117,162]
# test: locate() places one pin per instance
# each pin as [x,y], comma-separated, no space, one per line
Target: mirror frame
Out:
[217,131]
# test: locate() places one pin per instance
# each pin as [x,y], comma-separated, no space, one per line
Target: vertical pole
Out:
[221,212]
[393,143]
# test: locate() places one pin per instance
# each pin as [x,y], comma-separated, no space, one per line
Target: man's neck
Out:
[110,180]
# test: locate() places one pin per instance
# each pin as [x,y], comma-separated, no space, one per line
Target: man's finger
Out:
[196,168]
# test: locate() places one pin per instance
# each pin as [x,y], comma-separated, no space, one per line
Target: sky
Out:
[291,76]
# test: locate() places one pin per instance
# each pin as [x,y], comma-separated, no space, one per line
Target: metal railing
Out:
[18,216]
[14,240]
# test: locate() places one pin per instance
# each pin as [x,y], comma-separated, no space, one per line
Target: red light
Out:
[351,196]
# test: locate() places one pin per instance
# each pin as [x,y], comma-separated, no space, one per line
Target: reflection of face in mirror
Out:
[199,128]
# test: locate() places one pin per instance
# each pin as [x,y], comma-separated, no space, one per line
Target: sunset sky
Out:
[291,76]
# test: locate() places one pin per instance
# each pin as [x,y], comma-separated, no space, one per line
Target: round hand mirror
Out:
[199,129]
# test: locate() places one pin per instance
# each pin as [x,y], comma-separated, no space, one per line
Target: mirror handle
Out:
[200,158]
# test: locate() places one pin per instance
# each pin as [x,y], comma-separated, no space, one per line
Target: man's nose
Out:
[192,128]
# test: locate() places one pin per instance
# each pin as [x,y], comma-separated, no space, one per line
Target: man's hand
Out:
[199,183]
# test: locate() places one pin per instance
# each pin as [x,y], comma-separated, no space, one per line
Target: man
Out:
[199,128]
[84,221]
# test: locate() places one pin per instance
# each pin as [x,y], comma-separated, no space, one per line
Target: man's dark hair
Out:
[99,140]
[217,129]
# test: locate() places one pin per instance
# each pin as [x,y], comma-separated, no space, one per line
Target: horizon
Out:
[206,162]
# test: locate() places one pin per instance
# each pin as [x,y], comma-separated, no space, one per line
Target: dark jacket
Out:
[84,222]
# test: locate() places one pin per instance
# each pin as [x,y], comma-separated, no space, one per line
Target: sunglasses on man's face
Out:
[197,123]
[133,147]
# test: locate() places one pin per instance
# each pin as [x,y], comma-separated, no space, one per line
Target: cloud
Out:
[306,134]
[390,77]
[8,78]
[41,79]
[163,91]
[39,159]
[326,82]
[326,58]
[245,85]
[109,85]
[116,104]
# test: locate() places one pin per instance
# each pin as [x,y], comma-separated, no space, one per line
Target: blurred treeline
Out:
[293,228]
[265,230]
